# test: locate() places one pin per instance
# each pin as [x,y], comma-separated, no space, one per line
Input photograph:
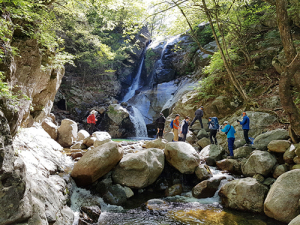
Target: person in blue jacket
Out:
[246,127]
[230,131]
[185,128]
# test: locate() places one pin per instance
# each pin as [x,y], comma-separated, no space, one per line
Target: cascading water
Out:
[135,84]
[139,123]
[137,118]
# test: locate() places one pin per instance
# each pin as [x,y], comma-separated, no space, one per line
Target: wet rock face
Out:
[39,85]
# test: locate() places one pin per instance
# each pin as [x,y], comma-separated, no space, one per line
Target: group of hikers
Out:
[180,130]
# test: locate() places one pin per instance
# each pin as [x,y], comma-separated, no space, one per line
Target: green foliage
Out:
[150,58]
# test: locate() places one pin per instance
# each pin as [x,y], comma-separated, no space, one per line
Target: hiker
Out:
[229,131]
[246,127]
[176,127]
[92,121]
[160,123]
[213,126]
[184,128]
[198,116]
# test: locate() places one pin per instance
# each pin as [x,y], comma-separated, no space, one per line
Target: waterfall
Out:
[139,123]
[135,84]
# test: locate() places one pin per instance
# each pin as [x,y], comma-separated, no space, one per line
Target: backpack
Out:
[215,123]
[88,120]
[171,124]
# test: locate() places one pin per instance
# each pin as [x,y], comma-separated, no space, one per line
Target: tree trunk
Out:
[285,84]
[192,30]
[229,69]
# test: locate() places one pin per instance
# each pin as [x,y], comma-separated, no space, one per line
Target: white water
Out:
[169,42]
[135,84]
[139,123]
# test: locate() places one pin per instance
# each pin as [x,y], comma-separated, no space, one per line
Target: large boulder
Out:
[50,128]
[203,142]
[67,133]
[82,134]
[211,154]
[261,142]
[139,170]
[203,172]
[115,195]
[101,138]
[231,165]
[242,152]
[182,156]
[117,113]
[282,202]
[96,163]
[157,143]
[206,189]
[202,133]
[279,146]
[260,162]
[245,194]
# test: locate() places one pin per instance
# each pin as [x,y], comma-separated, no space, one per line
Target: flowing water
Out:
[135,84]
[177,210]
[139,123]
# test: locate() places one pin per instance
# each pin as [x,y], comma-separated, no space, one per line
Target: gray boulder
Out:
[206,189]
[82,134]
[203,142]
[50,128]
[141,169]
[242,152]
[115,195]
[158,143]
[279,170]
[67,133]
[244,194]
[101,138]
[261,142]
[182,156]
[279,146]
[96,163]
[282,202]
[203,172]
[211,154]
[260,162]
[117,113]
[231,165]
[202,133]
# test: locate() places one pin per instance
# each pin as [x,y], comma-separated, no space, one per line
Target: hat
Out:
[177,115]
[209,117]
[187,117]
[225,122]
[201,107]
[93,112]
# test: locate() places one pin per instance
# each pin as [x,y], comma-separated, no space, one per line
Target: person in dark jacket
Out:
[185,128]
[212,132]
[198,116]
[246,127]
[160,123]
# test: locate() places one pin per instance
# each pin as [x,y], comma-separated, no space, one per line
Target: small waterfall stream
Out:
[137,118]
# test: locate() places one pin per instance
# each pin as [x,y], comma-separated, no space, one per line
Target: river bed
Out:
[176,210]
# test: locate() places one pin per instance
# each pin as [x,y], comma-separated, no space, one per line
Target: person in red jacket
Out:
[92,121]
[176,127]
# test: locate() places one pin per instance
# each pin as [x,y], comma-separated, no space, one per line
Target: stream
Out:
[176,210]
